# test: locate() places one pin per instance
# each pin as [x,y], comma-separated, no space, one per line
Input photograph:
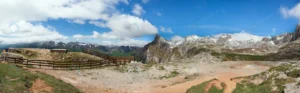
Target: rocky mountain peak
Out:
[159,39]
[296,33]
[191,38]
[223,38]
[265,39]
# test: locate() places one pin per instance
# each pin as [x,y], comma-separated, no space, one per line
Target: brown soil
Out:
[39,86]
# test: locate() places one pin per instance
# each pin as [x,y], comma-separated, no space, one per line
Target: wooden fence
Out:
[49,64]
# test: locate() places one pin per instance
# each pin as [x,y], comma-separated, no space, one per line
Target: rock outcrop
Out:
[296,34]
[291,49]
[162,50]
[157,51]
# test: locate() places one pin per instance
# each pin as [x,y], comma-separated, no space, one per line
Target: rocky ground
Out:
[168,77]
[284,78]
[171,77]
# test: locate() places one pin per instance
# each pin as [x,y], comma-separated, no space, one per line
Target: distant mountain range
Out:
[285,46]
[79,47]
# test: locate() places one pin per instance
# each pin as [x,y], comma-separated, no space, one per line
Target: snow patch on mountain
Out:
[176,40]
[192,38]
[241,36]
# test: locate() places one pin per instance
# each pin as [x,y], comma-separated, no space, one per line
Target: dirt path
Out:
[222,74]
[111,81]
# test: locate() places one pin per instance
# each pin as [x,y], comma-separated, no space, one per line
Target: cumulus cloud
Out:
[293,12]
[25,32]
[124,26]
[42,10]
[165,30]
[125,42]
[138,10]
[17,16]
[101,13]
[130,26]
[96,35]
[242,36]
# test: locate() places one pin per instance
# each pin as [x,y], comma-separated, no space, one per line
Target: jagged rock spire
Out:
[296,33]
[158,38]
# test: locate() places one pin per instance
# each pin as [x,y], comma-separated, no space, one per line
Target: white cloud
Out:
[102,13]
[242,36]
[96,35]
[42,10]
[145,1]
[138,10]
[25,32]
[125,42]
[123,26]
[130,26]
[293,12]
[165,30]
[17,15]
[98,23]
[105,39]
[123,29]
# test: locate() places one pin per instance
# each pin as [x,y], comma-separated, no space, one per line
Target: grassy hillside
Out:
[280,79]
[238,57]
[26,53]
[73,56]
[17,80]
[45,54]
[275,80]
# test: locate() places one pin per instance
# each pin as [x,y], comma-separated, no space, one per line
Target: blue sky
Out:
[167,17]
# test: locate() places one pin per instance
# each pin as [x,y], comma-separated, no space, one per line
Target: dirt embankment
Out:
[39,86]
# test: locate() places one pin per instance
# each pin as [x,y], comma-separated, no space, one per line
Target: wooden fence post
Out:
[90,64]
[27,63]
[100,62]
[53,64]
[22,60]
[79,65]
[15,60]
[40,63]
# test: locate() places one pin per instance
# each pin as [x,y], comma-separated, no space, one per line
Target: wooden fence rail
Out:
[84,64]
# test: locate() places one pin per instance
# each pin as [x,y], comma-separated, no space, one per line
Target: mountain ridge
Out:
[80,47]
[161,50]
